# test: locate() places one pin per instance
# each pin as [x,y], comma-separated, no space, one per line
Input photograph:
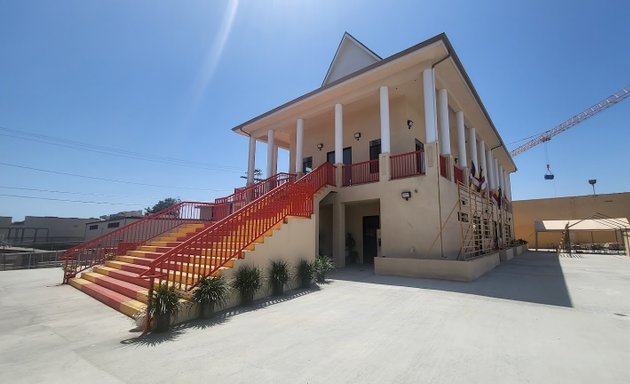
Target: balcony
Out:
[407,165]
[360,173]
[458,175]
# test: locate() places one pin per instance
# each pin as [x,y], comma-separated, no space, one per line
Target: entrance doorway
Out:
[371,224]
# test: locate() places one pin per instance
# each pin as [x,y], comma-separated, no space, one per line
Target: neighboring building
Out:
[44,232]
[404,133]
[527,212]
[110,223]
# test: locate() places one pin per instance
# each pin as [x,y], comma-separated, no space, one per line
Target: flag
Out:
[474,182]
[482,181]
[498,197]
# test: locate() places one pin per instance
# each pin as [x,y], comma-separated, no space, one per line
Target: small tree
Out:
[257,175]
[162,204]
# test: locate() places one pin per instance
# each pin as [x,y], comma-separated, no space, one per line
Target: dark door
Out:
[370,240]
[347,171]
[420,161]
[375,150]
[347,156]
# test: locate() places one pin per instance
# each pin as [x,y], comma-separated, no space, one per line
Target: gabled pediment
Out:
[350,57]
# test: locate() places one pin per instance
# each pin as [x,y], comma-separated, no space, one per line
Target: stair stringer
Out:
[293,241]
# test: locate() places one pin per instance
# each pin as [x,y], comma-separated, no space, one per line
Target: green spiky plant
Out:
[164,303]
[247,282]
[305,273]
[279,276]
[211,292]
[321,266]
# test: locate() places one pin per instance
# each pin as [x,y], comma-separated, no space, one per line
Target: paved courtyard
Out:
[535,319]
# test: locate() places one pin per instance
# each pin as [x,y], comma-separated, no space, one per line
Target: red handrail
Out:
[360,173]
[118,242]
[224,206]
[325,174]
[203,254]
[407,164]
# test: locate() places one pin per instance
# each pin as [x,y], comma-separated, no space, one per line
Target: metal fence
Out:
[27,260]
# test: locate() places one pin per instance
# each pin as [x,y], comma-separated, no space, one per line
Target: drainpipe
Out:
[438,165]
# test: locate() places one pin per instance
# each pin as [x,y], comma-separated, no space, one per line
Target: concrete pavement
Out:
[535,319]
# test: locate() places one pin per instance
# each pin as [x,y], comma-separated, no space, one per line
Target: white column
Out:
[472,140]
[270,147]
[385,138]
[445,137]
[428,83]
[508,183]
[496,172]
[490,170]
[461,139]
[299,145]
[275,159]
[338,134]
[483,160]
[251,161]
[501,178]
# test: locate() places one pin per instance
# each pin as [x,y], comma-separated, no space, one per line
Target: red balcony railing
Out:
[407,164]
[118,242]
[458,174]
[360,173]
[224,206]
[443,166]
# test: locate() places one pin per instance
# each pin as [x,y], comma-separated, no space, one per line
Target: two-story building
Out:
[405,134]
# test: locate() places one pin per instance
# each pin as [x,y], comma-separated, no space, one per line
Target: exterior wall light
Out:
[357,136]
[406,195]
[409,124]
[320,146]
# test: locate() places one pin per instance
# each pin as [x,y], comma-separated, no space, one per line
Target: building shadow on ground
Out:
[152,339]
[534,277]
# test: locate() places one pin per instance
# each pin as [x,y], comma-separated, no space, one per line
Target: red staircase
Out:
[180,245]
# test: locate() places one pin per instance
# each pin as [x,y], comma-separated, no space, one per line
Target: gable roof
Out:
[351,56]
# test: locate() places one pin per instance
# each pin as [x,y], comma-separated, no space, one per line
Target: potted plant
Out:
[305,273]
[247,282]
[209,294]
[279,276]
[321,266]
[164,303]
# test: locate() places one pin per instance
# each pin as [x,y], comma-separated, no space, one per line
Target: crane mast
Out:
[580,117]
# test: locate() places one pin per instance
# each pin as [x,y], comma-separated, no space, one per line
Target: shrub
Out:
[210,293]
[279,276]
[321,266]
[164,303]
[305,273]
[247,282]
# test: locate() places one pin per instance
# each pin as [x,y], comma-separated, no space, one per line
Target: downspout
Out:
[438,159]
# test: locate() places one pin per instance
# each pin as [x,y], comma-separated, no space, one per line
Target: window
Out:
[307,164]
[462,216]
[93,227]
[330,157]
[114,225]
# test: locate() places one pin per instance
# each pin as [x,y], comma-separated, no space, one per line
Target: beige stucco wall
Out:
[437,269]
[282,245]
[574,207]
[409,229]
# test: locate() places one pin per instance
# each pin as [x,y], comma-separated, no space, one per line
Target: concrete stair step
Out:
[125,288]
[118,301]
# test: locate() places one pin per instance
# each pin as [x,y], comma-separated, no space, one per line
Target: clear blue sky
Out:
[170,79]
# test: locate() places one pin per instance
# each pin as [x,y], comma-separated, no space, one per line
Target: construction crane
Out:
[577,119]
